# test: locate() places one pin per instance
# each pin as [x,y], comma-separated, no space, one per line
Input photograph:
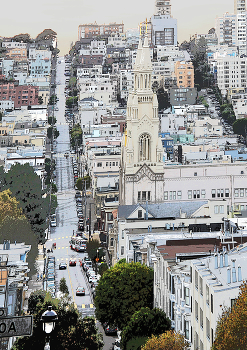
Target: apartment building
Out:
[184,72]
[94,30]
[231,73]
[24,95]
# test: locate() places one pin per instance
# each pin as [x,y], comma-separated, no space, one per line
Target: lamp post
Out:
[49,318]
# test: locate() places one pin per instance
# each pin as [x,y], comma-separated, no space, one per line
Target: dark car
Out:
[62,266]
[72,262]
[80,226]
[80,291]
[110,330]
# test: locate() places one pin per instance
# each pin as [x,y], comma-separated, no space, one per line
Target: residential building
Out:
[184,72]
[94,30]
[164,27]
[22,95]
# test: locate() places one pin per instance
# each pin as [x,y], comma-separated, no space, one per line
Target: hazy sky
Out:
[64,16]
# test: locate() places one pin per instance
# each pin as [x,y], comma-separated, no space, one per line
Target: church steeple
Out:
[142,150]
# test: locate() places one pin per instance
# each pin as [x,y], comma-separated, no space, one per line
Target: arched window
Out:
[144,147]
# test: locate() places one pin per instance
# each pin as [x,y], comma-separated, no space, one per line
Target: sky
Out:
[64,16]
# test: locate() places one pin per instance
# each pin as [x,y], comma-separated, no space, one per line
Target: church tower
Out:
[141,172]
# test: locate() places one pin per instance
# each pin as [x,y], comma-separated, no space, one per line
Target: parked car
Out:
[77,194]
[110,330]
[80,291]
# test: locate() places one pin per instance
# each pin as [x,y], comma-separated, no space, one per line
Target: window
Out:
[194,194]
[196,310]
[122,250]
[241,192]
[187,296]
[207,295]
[139,195]
[201,345]
[106,163]
[221,209]
[207,328]
[111,242]
[189,194]
[186,329]
[218,193]
[174,194]
[196,279]
[212,303]
[99,165]
[216,209]
[170,195]
[227,192]
[149,195]
[236,194]
[139,214]
[195,174]
[201,318]
[122,234]
[143,195]
[144,147]
[203,193]
[201,286]
[213,193]
[165,195]
[179,194]
[198,194]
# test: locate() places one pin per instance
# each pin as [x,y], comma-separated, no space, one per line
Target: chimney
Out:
[216,261]
[234,275]
[228,275]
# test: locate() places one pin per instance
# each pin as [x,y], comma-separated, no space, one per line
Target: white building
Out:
[231,72]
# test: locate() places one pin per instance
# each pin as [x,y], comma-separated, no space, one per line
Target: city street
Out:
[66,214]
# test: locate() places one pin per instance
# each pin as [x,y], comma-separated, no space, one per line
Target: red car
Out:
[72,262]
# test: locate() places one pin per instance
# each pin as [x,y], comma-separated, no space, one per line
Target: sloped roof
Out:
[163,210]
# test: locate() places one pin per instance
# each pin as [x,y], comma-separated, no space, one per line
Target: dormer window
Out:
[139,214]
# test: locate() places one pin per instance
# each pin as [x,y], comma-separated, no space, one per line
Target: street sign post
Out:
[16,326]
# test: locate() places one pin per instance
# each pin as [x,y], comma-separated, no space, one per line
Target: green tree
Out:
[63,286]
[72,332]
[240,126]
[76,136]
[163,99]
[80,183]
[72,101]
[167,341]
[19,230]
[94,250]
[231,330]
[144,323]
[52,120]
[122,290]
[26,187]
[36,297]
[52,132]
[9,206]
[103,267]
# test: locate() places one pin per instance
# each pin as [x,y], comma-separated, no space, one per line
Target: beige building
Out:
[141,171]
[184,72]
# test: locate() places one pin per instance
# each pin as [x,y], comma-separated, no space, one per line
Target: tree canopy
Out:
[25,185]
[72,332]
[122,290]
[231,330]
[144,323]
[240,126]
[167,341]
[76,135]
[9,206]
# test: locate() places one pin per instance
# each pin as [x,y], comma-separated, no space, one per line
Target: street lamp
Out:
[49,318]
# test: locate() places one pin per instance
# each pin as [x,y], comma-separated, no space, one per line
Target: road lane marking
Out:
[71,286]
